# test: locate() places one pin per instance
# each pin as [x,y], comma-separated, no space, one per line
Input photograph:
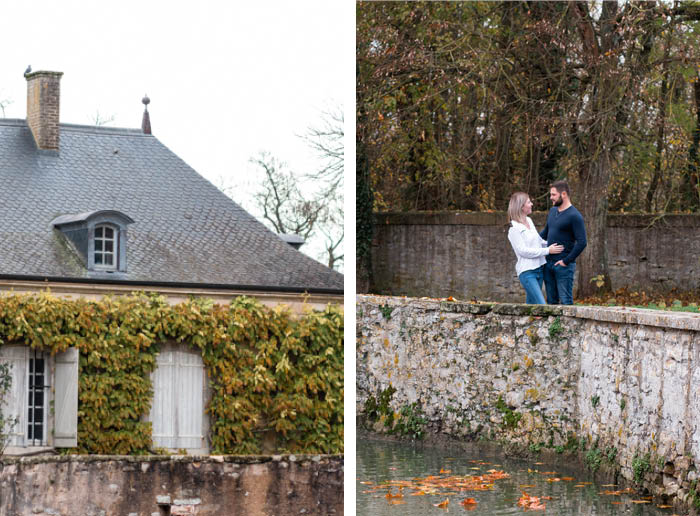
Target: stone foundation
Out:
[175,485]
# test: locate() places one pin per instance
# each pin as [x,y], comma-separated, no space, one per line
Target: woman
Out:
[529,248]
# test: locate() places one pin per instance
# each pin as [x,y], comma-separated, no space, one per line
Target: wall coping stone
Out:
[496,218]
[237,459]
[619,314]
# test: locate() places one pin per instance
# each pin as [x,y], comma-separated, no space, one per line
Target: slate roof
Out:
[185,230]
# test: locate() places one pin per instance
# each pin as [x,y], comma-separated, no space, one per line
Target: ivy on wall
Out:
[275,378]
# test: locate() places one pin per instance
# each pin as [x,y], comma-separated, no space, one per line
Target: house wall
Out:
[297,302]
[467,255]
[134,486]
[620,381]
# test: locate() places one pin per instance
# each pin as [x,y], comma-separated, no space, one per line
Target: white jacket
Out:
[529,247]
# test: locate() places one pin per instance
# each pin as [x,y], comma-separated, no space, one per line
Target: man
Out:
[564,226]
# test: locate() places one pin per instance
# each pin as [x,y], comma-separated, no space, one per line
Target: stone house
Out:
[91,211]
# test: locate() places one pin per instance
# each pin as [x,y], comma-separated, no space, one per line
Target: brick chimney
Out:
[43,100]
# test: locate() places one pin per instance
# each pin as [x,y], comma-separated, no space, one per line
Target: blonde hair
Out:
[515,206]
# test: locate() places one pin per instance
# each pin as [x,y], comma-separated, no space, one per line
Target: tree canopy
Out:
[462,103]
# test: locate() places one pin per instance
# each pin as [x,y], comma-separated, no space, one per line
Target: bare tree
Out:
[99,119]
[326,140]
[282,204]
[3,104]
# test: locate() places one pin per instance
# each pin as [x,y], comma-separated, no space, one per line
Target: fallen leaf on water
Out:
[567,479]
[419,493]
[390,495]
[442,505]
[396,502]
[617,503]
[554,480]
[468,501]
[531,502]
[366,482]
[640,501]
[664,506]
[609,485]
[445,471]
[548,473]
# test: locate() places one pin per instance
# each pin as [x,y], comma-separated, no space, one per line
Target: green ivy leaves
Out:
[271,373]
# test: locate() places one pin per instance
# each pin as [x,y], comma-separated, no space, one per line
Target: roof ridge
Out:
[93,129]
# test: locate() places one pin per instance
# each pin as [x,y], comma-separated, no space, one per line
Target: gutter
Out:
[165,284]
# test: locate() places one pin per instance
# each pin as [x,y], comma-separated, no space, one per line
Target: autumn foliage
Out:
[270,373]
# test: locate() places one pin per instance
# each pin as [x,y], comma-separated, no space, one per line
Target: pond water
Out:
[409,479]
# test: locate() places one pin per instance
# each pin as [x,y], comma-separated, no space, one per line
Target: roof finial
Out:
[146,123]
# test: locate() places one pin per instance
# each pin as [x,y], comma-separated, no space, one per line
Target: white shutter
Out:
[189,407]
[66,399]
[15,404]
[161,415]
[177,412]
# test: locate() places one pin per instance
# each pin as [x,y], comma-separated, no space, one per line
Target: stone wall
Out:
[467,255]
[176,485]
[618,385]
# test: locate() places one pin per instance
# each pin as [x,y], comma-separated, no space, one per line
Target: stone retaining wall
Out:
[467,255]
[617,385]
[176,485]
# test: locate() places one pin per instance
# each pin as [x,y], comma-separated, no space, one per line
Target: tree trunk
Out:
[591,199]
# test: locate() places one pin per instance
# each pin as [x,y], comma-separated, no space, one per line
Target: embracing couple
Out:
[549,255]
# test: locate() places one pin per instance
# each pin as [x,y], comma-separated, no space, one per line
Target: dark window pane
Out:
[98,245]
[98,232]
[109,233]
[98,258]
[109,259]
[39,399]
[109,246]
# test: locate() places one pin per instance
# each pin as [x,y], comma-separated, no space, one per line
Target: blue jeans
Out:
[559,283]
[532,283]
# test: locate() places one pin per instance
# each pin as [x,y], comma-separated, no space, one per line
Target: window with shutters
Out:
[179,397]
[38,382]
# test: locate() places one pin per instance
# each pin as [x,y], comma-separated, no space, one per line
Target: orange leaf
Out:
[442,505]
[468,501]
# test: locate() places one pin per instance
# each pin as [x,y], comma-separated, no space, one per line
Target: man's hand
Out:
[560,262]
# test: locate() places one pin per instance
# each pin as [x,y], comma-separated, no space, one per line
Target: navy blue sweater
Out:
[565,228]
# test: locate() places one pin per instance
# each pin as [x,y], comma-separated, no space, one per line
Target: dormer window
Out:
[105,247]
[99,237]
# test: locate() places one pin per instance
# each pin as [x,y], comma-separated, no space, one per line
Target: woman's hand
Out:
[556,248]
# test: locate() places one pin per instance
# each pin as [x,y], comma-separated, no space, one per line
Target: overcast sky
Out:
[226,79]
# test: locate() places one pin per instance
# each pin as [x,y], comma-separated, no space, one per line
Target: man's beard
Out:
[558,202]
